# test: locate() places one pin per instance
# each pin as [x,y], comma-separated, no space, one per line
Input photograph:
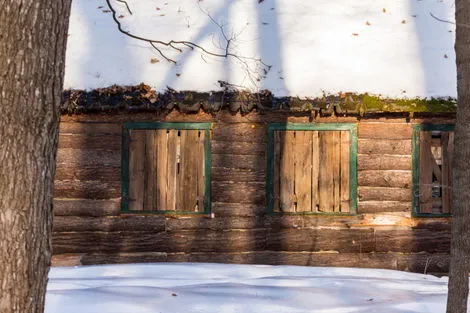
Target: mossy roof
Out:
[143,98]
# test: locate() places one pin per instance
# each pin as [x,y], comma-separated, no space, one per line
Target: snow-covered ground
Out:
[229,288]
[396,48]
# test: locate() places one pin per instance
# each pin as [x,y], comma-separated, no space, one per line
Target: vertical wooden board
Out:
[303,171]
[326,181]
[162,169]
[180,184]
[315,171]
[189,164]
[136,170]
[172,167]
[336,155]
[287,171]
[345,165]
[446,171]
[450,153]
[277,171]
[426,161]
[150,171]
[200,168]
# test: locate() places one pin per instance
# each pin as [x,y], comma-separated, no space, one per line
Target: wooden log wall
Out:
[89,229]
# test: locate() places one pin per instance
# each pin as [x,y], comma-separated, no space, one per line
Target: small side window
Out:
[432,176]
[312,168]
[165,168]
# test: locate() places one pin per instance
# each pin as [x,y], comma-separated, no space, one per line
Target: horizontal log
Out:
[383,162]
[217,223]
[385,130]
[383,194]
[82,157]
[88,142]
[239,132]
[90,128]
[183,241]
[414,262]
[342,240]
[237,209]
[412,240]
[89,172]
[86,207]
[247,162]
[384,146]
[383,206]
[239,192]
[381,178]
[237,175]
[154,223]
[89,189]
[238,148]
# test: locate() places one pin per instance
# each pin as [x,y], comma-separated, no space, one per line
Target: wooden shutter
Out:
[166,170]
[435,179]
[311,171]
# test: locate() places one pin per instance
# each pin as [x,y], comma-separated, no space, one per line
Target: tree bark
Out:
[33,38]
[460,245]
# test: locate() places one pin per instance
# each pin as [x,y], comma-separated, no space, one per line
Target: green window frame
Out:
[416,165]
[125,166]
[276,127]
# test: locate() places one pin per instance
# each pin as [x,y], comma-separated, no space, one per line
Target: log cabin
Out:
[233,177]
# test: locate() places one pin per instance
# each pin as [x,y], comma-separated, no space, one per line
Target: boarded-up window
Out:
[312,171]
[167,170]
[435,155]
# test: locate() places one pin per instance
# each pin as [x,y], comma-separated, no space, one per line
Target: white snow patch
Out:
[224,288]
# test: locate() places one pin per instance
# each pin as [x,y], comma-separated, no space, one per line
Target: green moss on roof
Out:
[143,98]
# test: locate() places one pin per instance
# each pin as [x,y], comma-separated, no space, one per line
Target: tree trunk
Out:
[460,246]
[33,38]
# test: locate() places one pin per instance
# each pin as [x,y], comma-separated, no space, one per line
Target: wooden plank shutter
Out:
[166,170]
[311,171]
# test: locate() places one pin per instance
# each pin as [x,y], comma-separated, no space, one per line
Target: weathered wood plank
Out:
[436,263]
[237,175]
[303,171]
[237,209]
[327,172]
[87,189]
[96,129]
[383,194]
[384,146]
[385,131]
[383,206]
[162,177]
[136,171]
[88,142]
[287,197]
[277,172]
[91,157]
[239,192]
[343,240]
[98,172]
[384,178]
[336,159]
[238,148]
[412,240]
[182,241]
[180,173]
[86,207]
[191,164]
[218,223]
[172,161]
[345,164]
[315,171]
[239,132]
[201,174]
[246,162]
[154,223]
[150,171]
[426,161]
[446,183]
[383,162]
